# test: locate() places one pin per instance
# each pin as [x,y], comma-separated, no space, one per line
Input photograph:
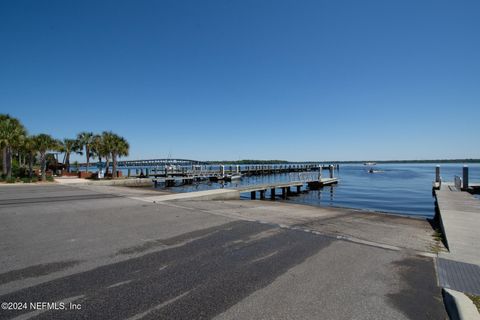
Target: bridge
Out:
[148,163]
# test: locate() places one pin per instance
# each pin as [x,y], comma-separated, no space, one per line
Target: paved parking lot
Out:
[120,258]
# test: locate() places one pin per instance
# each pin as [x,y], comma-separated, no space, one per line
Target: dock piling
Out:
[465,177]
[253,195]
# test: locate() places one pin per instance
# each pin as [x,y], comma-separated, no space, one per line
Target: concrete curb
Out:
[116,182]
[459,306]
[216,194]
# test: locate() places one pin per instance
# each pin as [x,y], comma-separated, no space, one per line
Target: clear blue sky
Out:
[294,80]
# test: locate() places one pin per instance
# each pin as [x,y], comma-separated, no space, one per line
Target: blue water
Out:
[399,188]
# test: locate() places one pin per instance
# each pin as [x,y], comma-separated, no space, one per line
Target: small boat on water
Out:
[374,171]
[230,177]
[369,163]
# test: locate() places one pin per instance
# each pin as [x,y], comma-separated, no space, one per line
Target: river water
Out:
[397,188]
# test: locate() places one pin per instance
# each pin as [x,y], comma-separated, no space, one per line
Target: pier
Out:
[285,187]
[202,170]
[226,173]
[459,215]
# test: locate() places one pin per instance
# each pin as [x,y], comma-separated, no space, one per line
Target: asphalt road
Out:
[119,258]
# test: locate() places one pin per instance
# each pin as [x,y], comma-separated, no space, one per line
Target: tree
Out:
[117,146]
[67,147]
[85,140]
[44,143]
[30,149]
[99,149]
[12,134]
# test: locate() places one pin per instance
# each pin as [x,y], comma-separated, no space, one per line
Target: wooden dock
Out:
[224,170]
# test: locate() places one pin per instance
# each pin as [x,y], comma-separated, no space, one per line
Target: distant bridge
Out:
[149,163]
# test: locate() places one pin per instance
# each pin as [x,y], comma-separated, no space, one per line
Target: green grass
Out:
[476,300]
[437,247]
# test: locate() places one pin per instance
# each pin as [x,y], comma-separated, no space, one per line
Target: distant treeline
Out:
[417,161]
[251,161]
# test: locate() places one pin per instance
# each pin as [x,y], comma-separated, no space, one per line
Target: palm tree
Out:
[85,140]
[67,147]
[117,146]
[30,148]
[12,134]
[3,118]
[99,149]
[44,143]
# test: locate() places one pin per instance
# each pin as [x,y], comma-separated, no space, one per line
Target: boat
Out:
[216,178]
[230,177]
[369,163]
[374,171]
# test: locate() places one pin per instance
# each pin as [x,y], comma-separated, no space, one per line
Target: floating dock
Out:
[459,214]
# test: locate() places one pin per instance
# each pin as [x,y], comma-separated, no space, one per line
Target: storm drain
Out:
[460,276]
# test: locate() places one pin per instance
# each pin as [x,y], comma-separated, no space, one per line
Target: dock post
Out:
[253,195]
[262,194]
[320,169]
[222,170]
[437,174]
[299,188]
[465,177]
[128,172]
[146,172]
[284,193]
[272,193]
[331,171]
